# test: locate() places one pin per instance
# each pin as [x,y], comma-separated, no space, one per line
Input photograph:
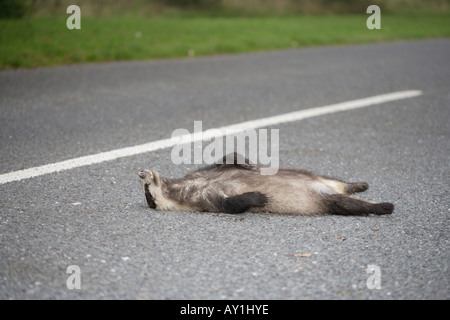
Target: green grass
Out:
[35,42]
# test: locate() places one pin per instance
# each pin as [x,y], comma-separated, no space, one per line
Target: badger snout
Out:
[141,174]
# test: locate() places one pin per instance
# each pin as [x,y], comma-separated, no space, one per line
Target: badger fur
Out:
[239,187]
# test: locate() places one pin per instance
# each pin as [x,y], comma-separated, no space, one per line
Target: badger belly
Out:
[294,196]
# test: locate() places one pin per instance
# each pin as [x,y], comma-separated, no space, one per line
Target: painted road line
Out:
[168,143]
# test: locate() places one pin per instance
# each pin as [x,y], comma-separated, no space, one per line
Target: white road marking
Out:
[167,143]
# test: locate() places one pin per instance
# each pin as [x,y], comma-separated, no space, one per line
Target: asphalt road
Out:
[96,217]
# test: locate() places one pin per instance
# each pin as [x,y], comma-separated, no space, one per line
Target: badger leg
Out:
[344,205]
[238,161]
[342,187]
[243,202]
[355,187]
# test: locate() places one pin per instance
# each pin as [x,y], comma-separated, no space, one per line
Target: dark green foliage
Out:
[199,4]
[13,8]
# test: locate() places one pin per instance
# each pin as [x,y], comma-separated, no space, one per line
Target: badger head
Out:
[151,183]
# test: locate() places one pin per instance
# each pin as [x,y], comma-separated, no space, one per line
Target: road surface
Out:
[95,217]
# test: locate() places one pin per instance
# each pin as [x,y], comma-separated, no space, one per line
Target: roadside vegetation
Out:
[34,33]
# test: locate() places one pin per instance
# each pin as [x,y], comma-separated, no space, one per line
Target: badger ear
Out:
[155,177]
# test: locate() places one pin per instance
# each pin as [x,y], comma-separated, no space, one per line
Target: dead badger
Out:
[239,187]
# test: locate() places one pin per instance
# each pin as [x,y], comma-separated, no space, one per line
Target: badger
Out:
[237,186]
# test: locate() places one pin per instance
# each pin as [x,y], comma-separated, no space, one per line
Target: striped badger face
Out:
[152,186]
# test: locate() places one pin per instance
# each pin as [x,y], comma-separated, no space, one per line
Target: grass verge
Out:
[35,42]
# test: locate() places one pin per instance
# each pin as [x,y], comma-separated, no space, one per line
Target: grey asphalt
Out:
[96,217]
